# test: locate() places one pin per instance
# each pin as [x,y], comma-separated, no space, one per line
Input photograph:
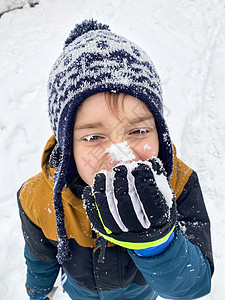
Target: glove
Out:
[133,205]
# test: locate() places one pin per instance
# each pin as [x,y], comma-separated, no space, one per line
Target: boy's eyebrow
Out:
[89,125]
[100,124]
[140,119]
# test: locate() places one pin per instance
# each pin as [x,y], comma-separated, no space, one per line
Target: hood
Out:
[48,165]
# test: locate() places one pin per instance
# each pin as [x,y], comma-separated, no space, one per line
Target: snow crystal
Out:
[146,148]
[120,152]
[89,137]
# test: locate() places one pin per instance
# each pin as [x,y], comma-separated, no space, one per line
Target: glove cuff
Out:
[137,245]
[156,249]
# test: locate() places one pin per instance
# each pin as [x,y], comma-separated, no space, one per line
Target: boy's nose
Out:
[110,160]
[119,153]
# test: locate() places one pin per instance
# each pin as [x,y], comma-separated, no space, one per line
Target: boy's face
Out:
[96,128]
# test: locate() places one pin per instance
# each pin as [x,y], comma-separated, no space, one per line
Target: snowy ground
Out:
[185,39]
[8,5]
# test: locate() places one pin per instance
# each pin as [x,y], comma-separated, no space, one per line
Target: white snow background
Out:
[186,41]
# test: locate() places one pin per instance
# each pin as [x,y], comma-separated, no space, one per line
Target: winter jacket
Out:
[182,271]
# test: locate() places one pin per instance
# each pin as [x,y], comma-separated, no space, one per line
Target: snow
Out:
[146,148]
[7,5]
[186,41]
[120,152]
[162,183]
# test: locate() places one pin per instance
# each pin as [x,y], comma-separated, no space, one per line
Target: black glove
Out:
[133,206]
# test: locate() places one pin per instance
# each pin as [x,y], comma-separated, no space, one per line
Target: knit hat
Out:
[96,60]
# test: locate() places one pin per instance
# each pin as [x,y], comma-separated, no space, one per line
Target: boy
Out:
[102,209]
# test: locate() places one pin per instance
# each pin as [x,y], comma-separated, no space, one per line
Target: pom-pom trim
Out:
[84,27]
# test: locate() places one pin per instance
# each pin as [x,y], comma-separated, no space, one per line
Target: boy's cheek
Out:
[88,163]
[145,150]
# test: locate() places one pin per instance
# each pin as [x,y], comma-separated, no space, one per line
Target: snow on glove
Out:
[133,206]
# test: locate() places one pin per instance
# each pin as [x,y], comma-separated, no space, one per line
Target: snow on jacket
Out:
[183,271]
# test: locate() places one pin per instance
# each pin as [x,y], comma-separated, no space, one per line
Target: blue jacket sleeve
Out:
[41,275]
[181,272]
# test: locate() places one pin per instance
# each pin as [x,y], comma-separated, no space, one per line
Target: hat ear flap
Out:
[63,253]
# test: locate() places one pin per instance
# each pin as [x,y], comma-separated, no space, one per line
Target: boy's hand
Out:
[132,206]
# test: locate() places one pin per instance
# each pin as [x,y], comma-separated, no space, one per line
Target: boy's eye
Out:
[141,131]
[92,138]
